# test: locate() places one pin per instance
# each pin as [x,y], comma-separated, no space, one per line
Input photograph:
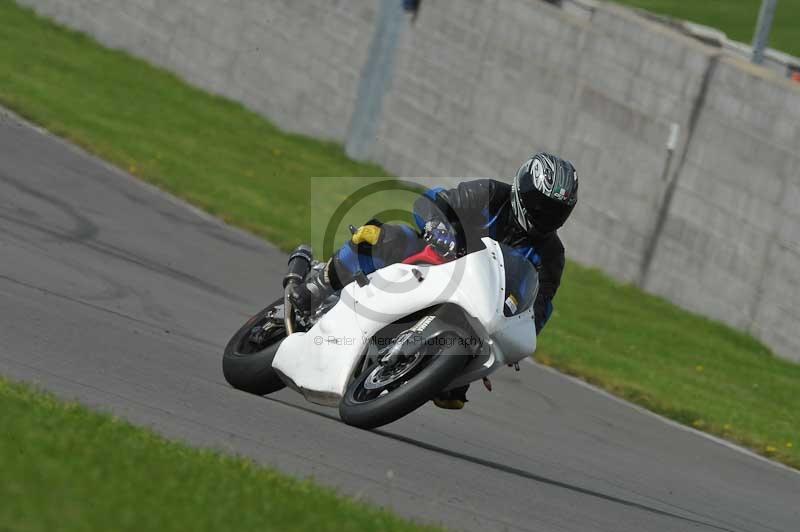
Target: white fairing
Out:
[321,361]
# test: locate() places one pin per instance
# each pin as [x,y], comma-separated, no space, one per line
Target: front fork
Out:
[300,262]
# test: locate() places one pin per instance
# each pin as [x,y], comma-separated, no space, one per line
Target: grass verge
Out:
[737,18]
[206,149]
[66,468]
[236,165]
[675,363]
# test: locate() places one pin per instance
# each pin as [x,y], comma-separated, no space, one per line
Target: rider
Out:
[524,215]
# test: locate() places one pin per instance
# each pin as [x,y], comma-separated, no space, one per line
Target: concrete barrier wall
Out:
[476,85]
[297,62]
[731,242]
[482,84]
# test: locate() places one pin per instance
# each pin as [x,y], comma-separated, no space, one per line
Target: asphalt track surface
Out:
[115,294]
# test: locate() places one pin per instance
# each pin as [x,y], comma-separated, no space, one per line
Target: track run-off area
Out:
[121,297]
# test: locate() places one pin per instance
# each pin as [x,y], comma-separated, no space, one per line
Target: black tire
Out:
[401,401]
[247,366]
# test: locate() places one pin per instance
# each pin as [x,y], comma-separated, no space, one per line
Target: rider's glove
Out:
[440,237]
[366,234]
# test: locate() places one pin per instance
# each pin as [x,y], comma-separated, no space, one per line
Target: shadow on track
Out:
[516,471]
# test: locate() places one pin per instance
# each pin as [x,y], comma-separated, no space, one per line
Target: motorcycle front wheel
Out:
[381,395]
[247,360]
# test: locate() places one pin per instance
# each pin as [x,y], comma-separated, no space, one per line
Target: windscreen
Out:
[522,280]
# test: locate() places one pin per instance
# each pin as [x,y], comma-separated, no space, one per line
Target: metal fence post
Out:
[376,77]
[765,16]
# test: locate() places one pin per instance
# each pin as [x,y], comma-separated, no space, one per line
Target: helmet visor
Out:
[544,214]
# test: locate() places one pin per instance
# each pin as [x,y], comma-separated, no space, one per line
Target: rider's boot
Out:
[307,297]
[452,399]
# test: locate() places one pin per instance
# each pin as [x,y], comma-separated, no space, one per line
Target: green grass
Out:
[737,18]
[206,149]
[65,468]
[683,366]
[236,165]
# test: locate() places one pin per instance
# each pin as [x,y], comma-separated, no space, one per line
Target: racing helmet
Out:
[544,193]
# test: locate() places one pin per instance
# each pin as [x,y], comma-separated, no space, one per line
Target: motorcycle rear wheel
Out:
[247,365]
[370,408]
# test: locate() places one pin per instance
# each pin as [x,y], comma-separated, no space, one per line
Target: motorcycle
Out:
[392,340]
